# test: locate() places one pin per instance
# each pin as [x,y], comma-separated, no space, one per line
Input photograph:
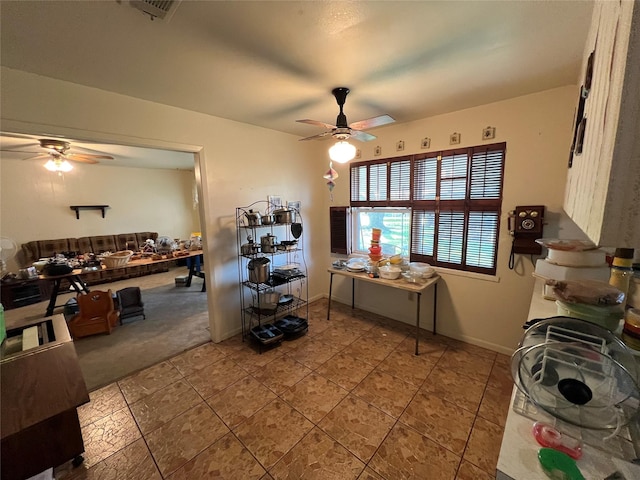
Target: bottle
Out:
[622,270]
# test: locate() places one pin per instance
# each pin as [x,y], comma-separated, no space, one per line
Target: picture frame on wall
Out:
[275,201]
[295,206]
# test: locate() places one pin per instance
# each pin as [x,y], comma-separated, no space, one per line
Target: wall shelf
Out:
[77,209]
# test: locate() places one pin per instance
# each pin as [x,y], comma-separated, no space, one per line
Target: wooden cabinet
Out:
[40,389]
[603,184]
[18,293]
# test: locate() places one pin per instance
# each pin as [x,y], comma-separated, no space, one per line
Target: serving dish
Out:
[389,272]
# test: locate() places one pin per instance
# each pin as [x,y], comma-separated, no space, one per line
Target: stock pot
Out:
[283,215]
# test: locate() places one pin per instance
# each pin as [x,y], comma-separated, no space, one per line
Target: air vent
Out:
[162,9]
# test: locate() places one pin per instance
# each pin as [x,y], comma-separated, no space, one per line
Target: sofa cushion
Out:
[127,241]
[104,243]
[84,245]
[49,248]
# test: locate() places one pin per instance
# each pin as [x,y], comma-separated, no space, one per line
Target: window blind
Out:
[455,197]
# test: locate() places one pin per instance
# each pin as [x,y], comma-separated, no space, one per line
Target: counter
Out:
[518,454]
[40,389]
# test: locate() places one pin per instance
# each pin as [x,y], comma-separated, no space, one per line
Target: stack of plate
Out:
[572,260]
[356,265]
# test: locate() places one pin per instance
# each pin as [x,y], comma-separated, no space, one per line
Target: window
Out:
[440,207]
[395,224]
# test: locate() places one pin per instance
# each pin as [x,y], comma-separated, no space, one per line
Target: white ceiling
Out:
[269,63]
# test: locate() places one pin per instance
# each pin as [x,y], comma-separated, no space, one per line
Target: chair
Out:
[97,314]
[130,303]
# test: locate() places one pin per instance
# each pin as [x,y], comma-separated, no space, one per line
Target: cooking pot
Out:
[250,248]
[283,215]
[253,218]
[268,219]
[268,243]
[258,270]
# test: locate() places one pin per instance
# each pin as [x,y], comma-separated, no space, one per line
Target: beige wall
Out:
[34,203]
[240,163]
[487,311]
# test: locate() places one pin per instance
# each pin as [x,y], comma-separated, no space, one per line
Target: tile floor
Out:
[348,400]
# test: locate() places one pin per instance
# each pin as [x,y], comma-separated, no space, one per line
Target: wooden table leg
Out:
[330,286]
[418,322]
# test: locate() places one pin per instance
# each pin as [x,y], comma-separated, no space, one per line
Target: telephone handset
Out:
[525,225]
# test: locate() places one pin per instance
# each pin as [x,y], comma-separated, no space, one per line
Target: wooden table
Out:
[400,284]
[75,277]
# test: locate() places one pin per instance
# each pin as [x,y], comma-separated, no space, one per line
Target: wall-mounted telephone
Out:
[525,225]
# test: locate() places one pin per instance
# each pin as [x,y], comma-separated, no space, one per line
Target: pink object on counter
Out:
[548,436]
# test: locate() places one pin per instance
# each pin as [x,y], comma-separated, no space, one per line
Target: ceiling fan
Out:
[59,155]
[341,130]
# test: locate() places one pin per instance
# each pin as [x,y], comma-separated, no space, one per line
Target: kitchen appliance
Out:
[258,270]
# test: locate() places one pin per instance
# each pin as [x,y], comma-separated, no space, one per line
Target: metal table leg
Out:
[418,322]
[353,293]
[54,296]
[330,287]
[435,306]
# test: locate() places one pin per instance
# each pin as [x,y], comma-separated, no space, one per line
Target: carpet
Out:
[177,320]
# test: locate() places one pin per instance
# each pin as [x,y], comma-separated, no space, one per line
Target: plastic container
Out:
[607,316]
[390,272]
[622,270]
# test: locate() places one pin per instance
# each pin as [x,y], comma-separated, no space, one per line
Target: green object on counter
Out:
[558,465]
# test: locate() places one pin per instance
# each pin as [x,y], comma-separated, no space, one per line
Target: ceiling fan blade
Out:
[78,156]
[40,156]
[75,158]
[320,136]
[372,122]
[11,150]
[362,136]
[317,123]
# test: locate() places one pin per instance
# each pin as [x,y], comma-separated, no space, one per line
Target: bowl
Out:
[423,269]
[390,272]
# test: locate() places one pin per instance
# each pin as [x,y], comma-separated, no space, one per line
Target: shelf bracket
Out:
[77,209]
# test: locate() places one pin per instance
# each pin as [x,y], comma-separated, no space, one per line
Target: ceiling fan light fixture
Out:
[342,152]
[58,165]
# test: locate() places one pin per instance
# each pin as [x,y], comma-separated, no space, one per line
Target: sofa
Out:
[37,249]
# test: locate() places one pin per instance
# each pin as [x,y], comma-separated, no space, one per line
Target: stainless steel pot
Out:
[258,270]
[253,218]
[269,239]
[268,219]
[250,248]
[284,215]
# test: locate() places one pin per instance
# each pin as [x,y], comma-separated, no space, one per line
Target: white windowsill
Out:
[459,273]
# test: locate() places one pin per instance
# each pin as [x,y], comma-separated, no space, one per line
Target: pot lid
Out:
[256,262]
